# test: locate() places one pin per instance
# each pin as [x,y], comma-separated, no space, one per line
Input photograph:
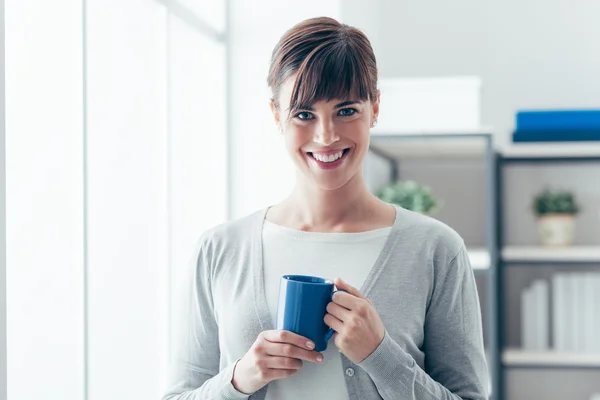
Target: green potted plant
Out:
[556,210]
[409,195]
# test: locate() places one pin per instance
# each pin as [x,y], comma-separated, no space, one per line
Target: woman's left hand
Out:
[359,330]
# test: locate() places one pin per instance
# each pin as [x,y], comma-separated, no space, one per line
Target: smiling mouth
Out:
[330,158]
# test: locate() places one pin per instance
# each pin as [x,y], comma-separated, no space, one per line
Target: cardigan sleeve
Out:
[194,368]
[455,365]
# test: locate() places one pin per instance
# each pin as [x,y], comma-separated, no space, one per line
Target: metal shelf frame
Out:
[502,264]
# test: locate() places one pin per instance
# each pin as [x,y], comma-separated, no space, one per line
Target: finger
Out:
[347,300]
[273,374]
[286,350]
[282,336]
[341,313]
[341,285]
[283,363]
[333,322]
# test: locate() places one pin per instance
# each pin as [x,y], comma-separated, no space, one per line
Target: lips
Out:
[329,159]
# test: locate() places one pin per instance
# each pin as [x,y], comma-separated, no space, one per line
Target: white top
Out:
[350,256]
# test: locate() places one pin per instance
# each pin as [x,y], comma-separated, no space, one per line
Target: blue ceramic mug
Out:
[303,305]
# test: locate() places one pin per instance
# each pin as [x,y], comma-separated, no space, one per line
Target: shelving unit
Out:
[551,152]
[539,254]
[513,256]
[496,258]
[549,359]
[399,148]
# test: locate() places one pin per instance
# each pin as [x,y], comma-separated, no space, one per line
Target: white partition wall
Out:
[44,199]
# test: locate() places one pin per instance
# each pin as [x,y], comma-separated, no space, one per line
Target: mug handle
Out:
[330,332]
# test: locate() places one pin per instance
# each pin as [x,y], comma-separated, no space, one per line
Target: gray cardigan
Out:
[422,286]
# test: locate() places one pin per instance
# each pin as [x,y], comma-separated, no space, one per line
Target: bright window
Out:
[116,162]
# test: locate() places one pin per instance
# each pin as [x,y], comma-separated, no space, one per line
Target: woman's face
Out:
[327,141]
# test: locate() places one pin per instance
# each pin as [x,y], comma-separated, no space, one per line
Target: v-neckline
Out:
[258,273]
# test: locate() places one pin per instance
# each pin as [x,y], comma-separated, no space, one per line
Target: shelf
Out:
[576,254]
[541,358]
[430,145]
[480,259]
[567,150]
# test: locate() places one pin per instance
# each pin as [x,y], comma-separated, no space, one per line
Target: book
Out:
[568,307]
[557,119]
[541,298]
[556,135]
[559,336]
[595,312]
[589,314]
[527,319]
[578,310]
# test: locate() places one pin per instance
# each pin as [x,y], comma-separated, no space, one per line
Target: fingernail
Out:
[310,345]
[319,358]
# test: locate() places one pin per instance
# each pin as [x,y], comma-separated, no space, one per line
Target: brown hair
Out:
[331,61]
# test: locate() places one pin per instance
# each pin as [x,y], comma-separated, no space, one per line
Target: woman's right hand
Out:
[275,354]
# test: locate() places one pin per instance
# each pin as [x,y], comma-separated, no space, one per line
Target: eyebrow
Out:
[343,104]
[347,103]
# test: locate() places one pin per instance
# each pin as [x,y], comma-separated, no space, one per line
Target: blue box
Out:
[558,120]
[556,135]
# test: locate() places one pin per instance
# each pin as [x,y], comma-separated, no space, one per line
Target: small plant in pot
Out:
[556,210]
[409,195]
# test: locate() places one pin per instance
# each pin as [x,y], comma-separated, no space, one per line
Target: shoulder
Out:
[440,250]
[437,238]
[224,237]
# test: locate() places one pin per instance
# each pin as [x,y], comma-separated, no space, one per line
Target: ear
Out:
[276,114]
[375,105]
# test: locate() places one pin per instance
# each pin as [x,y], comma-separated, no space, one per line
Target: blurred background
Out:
[131,126]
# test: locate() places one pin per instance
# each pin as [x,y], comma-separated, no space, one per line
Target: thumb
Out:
[341,285]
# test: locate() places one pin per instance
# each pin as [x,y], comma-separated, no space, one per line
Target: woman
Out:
[412,331]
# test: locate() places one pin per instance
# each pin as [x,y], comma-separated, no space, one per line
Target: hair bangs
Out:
[329,73]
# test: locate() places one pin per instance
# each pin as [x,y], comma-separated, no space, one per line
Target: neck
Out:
[312,207]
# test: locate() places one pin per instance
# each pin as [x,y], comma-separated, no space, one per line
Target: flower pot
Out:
[556,229]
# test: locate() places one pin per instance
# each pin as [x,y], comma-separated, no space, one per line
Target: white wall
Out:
[529,53]
[261,171]
[422,38]
[44,199]
[2,215]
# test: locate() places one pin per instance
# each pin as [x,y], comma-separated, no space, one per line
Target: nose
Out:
[325,133]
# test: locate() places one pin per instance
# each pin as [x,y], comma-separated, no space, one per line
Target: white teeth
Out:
[329,158]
